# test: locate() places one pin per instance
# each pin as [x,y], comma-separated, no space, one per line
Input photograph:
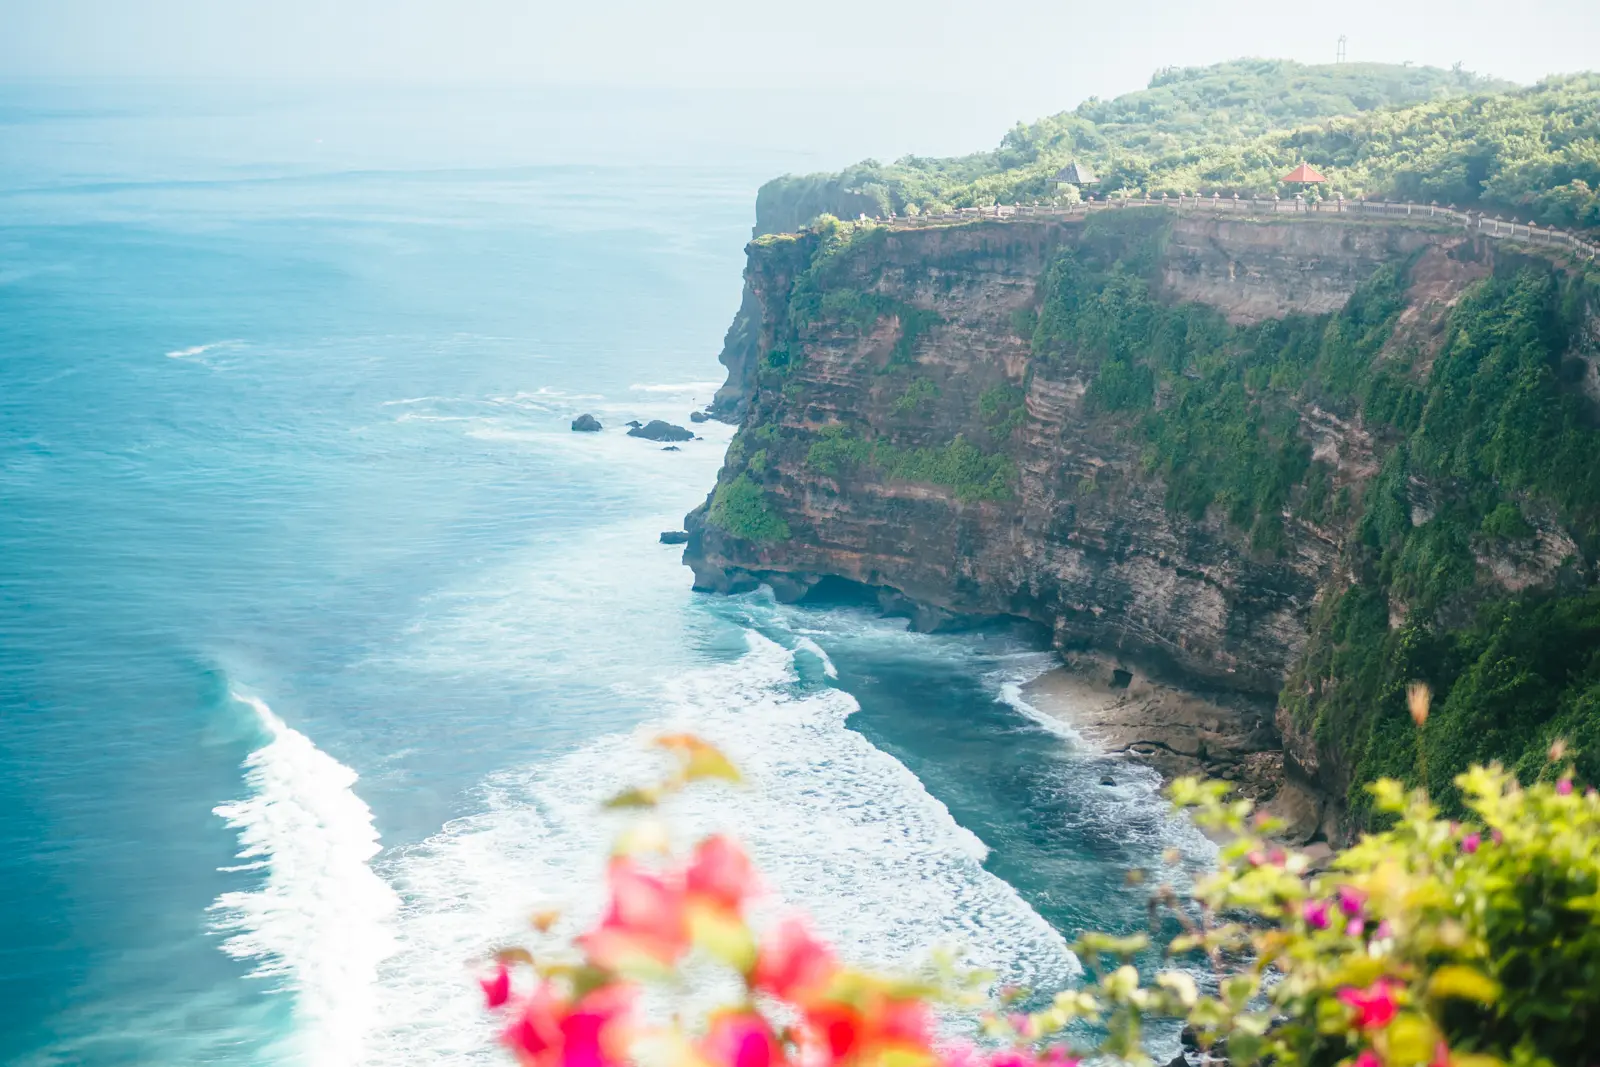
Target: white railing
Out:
[1256,206]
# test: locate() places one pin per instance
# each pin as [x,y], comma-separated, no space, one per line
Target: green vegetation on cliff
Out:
[740,507]
[1217,406]
[960,465]
[1498,435]
[1495,431]
[1401,132]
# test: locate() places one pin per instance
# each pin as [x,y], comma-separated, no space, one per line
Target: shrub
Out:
[1432,944]
[740,507]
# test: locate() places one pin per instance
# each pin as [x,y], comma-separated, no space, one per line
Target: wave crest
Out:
[318,926]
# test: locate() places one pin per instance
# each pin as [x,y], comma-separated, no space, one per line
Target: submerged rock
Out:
[633,424]
[672,448]
[657,430]
[586,424]
[674,537]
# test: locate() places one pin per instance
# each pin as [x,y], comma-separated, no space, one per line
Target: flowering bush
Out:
[1433,944]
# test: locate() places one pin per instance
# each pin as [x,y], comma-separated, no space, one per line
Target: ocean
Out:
[321,634]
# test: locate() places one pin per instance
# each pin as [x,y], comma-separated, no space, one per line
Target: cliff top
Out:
[1412,133]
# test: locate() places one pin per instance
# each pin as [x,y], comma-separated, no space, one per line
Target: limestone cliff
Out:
[1156,436]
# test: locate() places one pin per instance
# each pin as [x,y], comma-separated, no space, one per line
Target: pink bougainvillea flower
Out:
[1368,1058]
[1496,836]
[497,987]
[1351,900]
[791,964]
[594,1032]
[1564,787]
[721,873]
[1441,1055]
[1374,1006]
[741,1039]
[1385,929]
[1355,927]
[644,920]
[1010,1058]
[1315,913]
[1470,843]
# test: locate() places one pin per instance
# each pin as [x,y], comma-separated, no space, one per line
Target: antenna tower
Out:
[1339,56]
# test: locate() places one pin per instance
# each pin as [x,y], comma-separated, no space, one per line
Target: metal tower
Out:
[1339,56]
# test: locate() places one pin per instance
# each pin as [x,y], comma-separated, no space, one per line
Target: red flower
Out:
[645,918]
[1315,913]
[1470,843]
[741,1039]
[867,1029]
[791,964]
[1374,1006]
[591,1033]
[721,873]
[497,988]
[1368,1058]
[1564,787]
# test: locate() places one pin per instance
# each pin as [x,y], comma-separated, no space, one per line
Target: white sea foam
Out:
[840,829]
[319,926]
[678,387]
[1011,693]
[816,650]
[199,350]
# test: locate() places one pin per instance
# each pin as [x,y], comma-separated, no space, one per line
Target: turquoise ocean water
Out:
[320,633]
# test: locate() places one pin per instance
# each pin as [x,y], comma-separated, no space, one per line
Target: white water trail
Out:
[320,925]
[199,350]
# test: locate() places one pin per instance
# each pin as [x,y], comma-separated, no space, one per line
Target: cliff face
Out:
[1033,419]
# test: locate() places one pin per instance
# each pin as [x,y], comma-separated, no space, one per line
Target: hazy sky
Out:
[1031,58]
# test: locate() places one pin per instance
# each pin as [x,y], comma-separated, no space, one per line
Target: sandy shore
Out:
[1173,730]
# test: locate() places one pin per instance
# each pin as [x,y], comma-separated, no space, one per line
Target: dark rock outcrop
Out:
[586,424]
[699,416]
[657,430]
[674,537]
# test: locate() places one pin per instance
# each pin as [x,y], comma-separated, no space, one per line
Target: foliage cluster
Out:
[825,292]
[1001,409]
[1496,430]
[961,466]
[1432,944]
[1399,132]
[1225,431]
[917,394]
[740,507]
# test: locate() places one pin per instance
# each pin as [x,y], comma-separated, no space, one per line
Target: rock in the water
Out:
[674,537]
[672,448]
[698,416]
[1108,780]
[586,424]
[656,430]
[633,424]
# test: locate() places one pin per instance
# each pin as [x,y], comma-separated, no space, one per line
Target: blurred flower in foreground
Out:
[1394,958]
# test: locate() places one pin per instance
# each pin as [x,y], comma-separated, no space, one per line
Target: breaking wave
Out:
[318,924]
[839,828]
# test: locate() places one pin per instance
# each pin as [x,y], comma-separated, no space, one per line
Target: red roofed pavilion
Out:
[1304,174]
